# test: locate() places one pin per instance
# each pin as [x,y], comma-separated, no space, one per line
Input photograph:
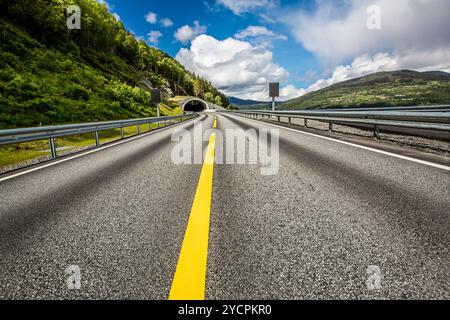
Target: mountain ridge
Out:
[395,88]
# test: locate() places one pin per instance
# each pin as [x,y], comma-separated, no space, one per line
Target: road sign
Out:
[274,90]
[156,96]
[156,99]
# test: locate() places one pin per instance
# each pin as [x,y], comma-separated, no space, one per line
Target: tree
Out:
[218,100]
[197,87]
[209,97]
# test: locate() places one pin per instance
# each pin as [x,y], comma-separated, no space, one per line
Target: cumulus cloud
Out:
[413,35]
[187,33]
[336,32]
[166,22]
[153,36]
[151,17]
[258,31]
[367,64]
[242,6]
[234,66]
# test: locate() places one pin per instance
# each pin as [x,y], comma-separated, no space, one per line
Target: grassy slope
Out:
[39,85]
[399,88]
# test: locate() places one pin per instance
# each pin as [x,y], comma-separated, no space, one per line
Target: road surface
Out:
[332,213]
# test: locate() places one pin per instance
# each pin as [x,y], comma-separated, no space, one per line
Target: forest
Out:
[50,74]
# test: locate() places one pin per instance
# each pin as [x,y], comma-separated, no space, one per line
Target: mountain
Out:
[239,103]
[52,75]
[398,88]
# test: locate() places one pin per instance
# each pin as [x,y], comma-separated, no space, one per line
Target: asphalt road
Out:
[309,232]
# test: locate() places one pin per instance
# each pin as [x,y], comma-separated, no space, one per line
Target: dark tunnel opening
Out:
[194,106]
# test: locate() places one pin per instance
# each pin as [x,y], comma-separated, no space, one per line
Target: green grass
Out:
[17,153]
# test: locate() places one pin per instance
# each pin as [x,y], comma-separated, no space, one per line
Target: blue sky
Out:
[240,45]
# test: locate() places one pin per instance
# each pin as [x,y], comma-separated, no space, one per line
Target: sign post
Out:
[274,91]
[156,99]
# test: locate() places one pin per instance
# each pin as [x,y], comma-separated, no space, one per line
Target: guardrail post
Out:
[278,118]
[121,133]
[376,132]
[330,126]
[97,140]
[138,129]
[306,123]
[52,144]
[290,120]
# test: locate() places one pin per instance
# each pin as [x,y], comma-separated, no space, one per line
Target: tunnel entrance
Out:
[195,106]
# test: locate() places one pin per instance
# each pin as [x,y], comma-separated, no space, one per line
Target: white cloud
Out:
[153,36]
[367,64]
[116,16]
[187,33]
[235,67]
[103,2]
[414,35]
[110,9]
[151,17]
[258,31]
[242,6]
[166,22]
[337,32]
[291,92]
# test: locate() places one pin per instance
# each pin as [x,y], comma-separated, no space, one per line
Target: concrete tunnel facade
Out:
[195,105]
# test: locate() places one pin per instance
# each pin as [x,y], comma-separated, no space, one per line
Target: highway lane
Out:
[309,232]
[333,210]
[119,214]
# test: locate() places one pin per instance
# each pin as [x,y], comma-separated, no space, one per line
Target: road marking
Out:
[93,151]
[190,276]
[427,163]
[215,122]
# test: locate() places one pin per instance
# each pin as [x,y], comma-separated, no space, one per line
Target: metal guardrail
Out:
[10,136]
[434,121]
[437,108]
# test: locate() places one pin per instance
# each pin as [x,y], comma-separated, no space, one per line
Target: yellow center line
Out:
[215,123]
[190,276]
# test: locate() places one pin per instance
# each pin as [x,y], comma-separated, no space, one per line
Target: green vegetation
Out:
[52,75]
[384,89]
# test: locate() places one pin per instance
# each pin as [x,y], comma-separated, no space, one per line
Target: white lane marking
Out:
[427,163]
[43,166]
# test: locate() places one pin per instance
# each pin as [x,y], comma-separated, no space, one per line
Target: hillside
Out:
[240,103]
[399,88]
[52,75]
